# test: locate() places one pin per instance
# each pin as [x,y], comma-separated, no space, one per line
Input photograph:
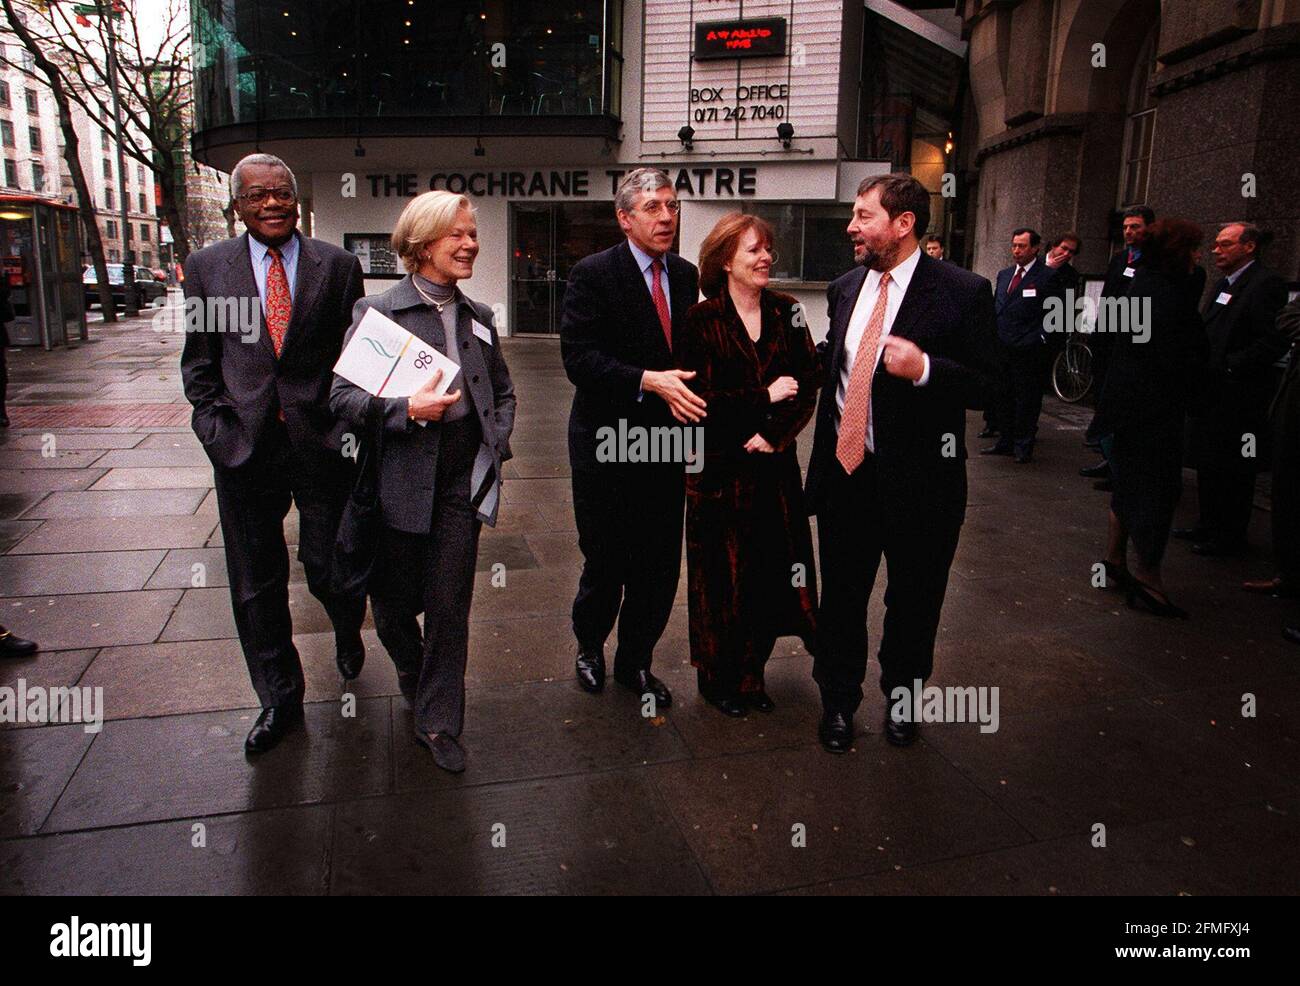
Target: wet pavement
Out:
[111,559]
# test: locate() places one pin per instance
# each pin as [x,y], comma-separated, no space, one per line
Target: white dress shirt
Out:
[899,278]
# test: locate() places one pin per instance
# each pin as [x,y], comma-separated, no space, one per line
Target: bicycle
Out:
[1072,375]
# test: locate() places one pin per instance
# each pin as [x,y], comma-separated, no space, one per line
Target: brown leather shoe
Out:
[1277,587]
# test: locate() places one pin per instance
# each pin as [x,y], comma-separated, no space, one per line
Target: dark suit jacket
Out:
[1245,343]
[1284,413]
[1115,284]
[1152,379]
[609,335]
[1020,318]
[948,313]
[237,384]
[410,450]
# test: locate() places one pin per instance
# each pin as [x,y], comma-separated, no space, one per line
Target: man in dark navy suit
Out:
[1018,300]
[622,309]
[261,410]
[1228,431]
[911,346]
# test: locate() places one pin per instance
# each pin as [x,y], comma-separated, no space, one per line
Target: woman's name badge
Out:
[1223,298]
[1129,272]
[1030,293]
[482,331]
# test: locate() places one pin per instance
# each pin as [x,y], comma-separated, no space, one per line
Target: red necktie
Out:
[279,306]
[851,447]
[1015,281]
[661,303]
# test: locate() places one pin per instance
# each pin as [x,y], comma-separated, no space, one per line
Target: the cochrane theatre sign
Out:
[696,181]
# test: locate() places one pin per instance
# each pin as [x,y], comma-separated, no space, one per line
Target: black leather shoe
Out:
[591,670]
[996,450]
[1100,471]
[900,733]
[988,433]
[761,701]
[1190,533]
[350,657]
[642,682]
[271,727]
[1217,548]
[729,705]
[447,753]
[15,646]
[836,732]
[1292,634]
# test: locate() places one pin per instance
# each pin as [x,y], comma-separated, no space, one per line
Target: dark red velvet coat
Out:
[746,526]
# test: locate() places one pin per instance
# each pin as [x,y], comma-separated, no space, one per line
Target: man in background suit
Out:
[1245,341]
[261,409]
[1120,272]
[912,345]
[622,309]
[1018,301]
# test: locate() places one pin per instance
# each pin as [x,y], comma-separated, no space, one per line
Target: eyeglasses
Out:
[257,196]
[657,208]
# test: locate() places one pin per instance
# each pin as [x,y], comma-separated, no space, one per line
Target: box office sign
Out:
[760,37]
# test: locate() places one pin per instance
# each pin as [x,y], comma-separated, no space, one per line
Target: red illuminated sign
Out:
[756,38]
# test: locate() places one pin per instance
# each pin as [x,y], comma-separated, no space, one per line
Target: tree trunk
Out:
[165,176]
[94,243]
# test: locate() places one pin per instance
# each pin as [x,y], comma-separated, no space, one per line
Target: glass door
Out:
[549,238]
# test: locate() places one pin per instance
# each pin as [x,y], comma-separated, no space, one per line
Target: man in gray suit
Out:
[266,313]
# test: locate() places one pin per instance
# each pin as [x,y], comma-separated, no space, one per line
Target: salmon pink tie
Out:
[279,306]
[851,448]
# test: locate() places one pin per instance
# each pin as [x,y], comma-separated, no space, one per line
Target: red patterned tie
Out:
[661,302]
[279,306]
[851,448]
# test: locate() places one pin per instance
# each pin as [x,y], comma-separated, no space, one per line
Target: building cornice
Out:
[1051,125]
[1271,44]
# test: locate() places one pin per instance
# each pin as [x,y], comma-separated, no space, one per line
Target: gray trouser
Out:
[433,573]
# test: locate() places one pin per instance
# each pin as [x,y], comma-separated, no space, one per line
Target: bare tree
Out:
[53,76]
[153,71]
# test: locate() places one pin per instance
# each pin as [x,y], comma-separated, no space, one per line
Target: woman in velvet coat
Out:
[750,576]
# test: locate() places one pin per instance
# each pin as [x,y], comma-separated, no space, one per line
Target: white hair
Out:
[236,183]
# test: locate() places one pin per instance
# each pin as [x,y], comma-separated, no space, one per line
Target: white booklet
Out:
[384,359]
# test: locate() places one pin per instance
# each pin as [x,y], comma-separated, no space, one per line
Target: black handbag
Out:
[361,525]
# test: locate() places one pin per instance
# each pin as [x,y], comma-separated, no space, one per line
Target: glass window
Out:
[115,255]
[103,141]
[147,257]
[11,173]
[144,232]
[139,174]
[33,106]
[38,176]
[143,207]
[110,228]
[34,135]
[4,92]
[7,133]
[108,198]
[810,241]
[108,168]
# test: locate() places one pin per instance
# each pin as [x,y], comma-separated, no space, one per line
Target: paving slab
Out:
[118,503]
[156,478]
[100,571]
[35,765]
[118,534]
[100,619]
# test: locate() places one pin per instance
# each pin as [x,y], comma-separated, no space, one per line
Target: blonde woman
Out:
[431,521]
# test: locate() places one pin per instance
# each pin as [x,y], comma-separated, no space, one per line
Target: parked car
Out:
[148,288]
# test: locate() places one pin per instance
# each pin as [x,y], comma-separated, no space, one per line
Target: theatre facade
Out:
[535,110]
